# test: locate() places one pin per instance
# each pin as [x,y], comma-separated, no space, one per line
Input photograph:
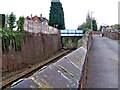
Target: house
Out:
[37,24]
[37,19]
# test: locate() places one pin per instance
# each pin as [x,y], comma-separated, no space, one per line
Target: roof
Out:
[42,19]
[28,18]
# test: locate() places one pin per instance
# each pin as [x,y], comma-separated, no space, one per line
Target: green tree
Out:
[94,25]
[88,21]
[87,25]
[2,20]
[11,21]
[83,27]
[21,24]
[56,15]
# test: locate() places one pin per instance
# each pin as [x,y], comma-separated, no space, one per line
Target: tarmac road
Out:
[103,63]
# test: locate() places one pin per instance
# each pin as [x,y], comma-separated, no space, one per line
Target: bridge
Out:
[71,33]
[70,38]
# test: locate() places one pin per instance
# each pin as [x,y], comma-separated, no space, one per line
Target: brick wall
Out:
[112,35]
[37,48]
[96,32]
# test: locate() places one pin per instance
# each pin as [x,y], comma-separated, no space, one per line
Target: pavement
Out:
[103,63]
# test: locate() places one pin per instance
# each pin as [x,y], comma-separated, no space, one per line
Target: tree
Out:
[94,25]
[21,24]
[2,20]
[83,27]
[56,15]
[87,25]
[11,21]
[88,21]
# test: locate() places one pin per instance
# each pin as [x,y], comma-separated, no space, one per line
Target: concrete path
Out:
[103,63]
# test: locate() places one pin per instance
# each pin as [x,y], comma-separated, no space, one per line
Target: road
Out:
[103,63]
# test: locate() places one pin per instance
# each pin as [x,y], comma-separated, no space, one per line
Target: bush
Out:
[14,38]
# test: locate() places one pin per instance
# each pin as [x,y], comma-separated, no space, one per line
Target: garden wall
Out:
[112,35]
[37,48]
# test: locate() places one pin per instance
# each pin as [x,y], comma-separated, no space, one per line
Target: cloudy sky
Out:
[75,11]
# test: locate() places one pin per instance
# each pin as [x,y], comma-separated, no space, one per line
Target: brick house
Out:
[36,23]
[37,19]
[39,24]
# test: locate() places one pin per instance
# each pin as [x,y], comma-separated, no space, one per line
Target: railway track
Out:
[25,74]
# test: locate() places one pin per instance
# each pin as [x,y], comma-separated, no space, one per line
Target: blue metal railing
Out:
[71,32]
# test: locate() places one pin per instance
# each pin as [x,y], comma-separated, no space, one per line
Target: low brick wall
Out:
[36,49]
[112,35]
[96,32]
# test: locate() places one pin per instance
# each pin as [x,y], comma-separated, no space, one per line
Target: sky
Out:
[75,11]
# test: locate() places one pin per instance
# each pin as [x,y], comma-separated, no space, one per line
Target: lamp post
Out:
[91,21]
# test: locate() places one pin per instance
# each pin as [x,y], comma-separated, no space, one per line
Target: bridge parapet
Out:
[70,38]
[71,33]
[68,72]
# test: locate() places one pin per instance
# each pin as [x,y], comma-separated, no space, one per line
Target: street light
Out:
[91,21]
